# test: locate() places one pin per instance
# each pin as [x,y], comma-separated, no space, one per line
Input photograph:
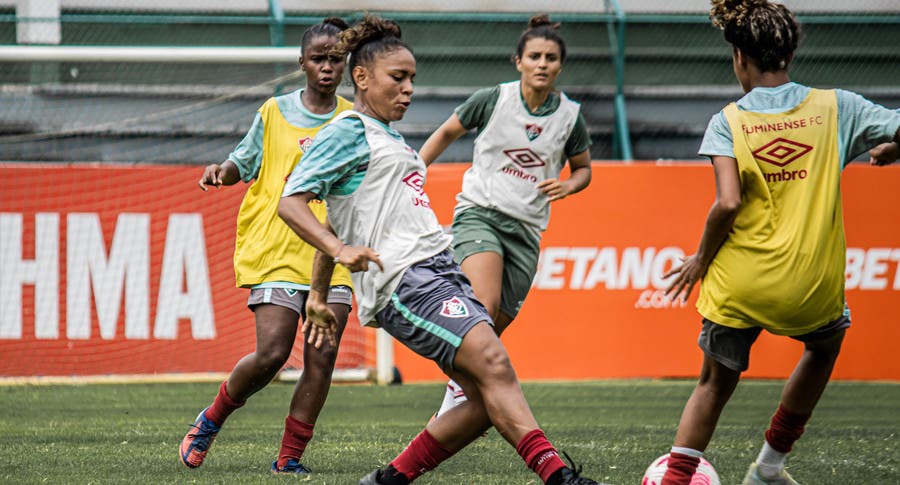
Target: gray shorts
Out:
[296,299]
[478,230]
[731,346]
[432,309]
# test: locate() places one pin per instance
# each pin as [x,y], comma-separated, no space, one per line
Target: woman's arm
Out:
[579,178]
[718,225]
[446,134]
[295,212]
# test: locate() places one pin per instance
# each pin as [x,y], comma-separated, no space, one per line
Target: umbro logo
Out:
[781,151]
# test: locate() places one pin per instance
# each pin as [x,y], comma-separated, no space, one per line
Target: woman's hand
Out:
[357,258]
[554,189]
[686,275]
[320,323]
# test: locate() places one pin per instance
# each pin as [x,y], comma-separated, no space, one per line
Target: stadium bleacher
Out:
[676,71]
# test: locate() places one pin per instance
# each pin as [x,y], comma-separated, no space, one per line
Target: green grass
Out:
[129,433]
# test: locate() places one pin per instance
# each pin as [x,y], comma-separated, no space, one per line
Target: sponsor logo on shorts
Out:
[290,292]
[454,308]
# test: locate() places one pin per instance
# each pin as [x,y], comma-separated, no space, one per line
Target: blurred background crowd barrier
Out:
[178,81]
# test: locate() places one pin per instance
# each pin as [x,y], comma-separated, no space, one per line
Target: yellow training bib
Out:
[265,248]
[782,266]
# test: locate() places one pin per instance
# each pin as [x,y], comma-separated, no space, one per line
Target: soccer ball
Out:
[705,474]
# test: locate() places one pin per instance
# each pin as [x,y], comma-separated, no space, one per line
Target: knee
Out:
[826,350]
[496,364]
[322,357]
[273,357]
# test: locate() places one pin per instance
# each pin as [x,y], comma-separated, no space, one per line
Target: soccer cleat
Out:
[572,474]
[370,479]
[197,441]
[753,478]
[293,467]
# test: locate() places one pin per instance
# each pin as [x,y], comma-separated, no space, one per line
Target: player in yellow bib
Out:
[273,262]
[772,254]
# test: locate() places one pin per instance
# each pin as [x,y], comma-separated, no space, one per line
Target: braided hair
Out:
[540,27]
[765,31]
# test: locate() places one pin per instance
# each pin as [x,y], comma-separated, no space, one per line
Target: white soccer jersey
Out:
[516,151]
[388,212]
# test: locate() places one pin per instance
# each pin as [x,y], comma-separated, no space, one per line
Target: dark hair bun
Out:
[337,22]
[370,29]
[542,20]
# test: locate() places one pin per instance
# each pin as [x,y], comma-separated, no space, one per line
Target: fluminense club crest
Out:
[304,143]
[454,308]
[533,131]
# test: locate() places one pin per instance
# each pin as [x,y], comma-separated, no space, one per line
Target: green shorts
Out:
[477,230]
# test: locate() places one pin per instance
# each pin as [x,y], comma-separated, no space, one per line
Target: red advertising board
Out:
[127,270]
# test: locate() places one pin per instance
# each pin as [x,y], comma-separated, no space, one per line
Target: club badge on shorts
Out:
[454,308]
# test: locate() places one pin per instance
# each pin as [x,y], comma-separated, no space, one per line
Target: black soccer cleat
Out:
[571,475]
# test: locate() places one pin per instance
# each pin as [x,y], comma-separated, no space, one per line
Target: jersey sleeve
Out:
[579,140]
[247,156]
[717,141]
[338,152]
[863,124]
[476,111]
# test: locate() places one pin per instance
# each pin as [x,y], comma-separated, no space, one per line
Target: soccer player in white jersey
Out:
[374,185]
[772,254]
[273,262]
[527,131]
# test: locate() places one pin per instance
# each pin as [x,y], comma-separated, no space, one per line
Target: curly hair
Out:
[332,27]
[370,36]
[540,27]
[765,31]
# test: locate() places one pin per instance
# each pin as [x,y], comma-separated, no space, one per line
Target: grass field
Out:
[111,433]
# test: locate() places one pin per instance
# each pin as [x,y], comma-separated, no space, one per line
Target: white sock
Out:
[452,397]
[770,462]
[687,451]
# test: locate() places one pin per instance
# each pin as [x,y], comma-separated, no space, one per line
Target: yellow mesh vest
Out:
[782,266]
[265,248]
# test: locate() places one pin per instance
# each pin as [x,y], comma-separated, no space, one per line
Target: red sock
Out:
[680,469]
[423,453]
[786,428]
[296,436]
[222,407]
[539,454]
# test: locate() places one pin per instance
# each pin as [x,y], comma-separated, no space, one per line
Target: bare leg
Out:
[807,383]
[318,365]
[485,273]
[702,411]
[276,328]
[483,359]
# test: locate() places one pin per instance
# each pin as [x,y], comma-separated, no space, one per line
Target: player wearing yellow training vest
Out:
[772,254]
[782,266]
[266,250]
[273,262]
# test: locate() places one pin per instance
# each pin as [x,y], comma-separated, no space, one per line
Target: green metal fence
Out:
[613,55]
